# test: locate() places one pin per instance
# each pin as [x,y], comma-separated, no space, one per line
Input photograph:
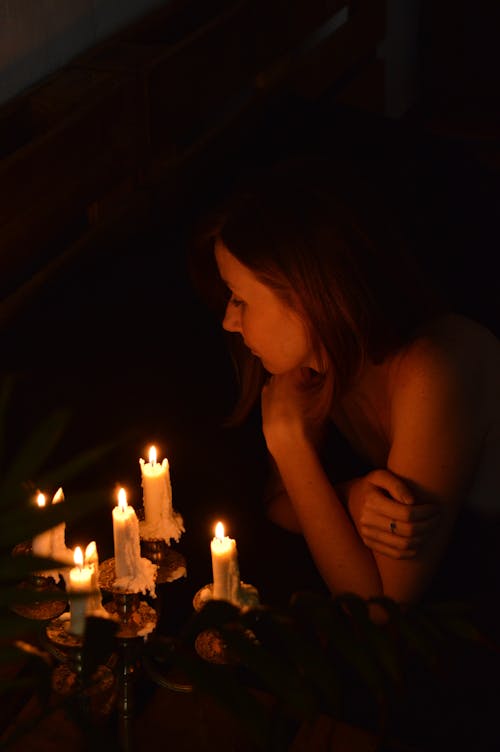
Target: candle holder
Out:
[171,564]
[137,620]
[94,695]
[209,643]
[40,610]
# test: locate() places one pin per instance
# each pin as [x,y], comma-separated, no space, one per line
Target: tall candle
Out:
[80,581]
[41,544]
[126,538]
[160,519]
[226,574]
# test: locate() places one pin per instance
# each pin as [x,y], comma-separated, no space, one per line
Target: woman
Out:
[338,327]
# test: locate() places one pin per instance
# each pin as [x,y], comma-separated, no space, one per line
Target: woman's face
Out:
[272,330]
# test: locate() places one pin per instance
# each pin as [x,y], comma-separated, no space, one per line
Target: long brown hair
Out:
[327,241]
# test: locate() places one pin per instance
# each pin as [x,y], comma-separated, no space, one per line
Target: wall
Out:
[39,36]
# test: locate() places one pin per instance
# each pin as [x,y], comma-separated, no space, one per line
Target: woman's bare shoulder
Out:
[455,360]
[457,347]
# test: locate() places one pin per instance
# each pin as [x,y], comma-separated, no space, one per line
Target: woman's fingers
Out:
[394,486]
[399,528]
[377,505]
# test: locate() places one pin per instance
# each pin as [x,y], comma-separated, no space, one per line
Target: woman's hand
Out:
[291,409]
[388,517]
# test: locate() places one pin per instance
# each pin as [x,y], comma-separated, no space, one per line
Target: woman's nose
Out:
[232,319]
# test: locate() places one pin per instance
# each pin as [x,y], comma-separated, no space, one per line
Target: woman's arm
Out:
[437,436]
[342,559]
[435,444]
[381,506]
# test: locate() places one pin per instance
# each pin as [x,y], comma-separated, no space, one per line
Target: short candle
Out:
[80,581]
[92,561]
[42,543]
[226,574]
[126,538]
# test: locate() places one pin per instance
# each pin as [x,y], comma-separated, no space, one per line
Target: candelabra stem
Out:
[126,696]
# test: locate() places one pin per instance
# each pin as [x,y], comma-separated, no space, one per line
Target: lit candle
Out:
[226,574]
[92,561]
[42,543]
[59,550]
[80,581]
[160,519]
[126,538]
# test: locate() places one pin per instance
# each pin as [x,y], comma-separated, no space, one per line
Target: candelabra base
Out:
[96,694]
[209,644]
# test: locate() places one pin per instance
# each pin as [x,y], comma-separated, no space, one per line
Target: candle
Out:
[160,519]
[226,574]
[92,561]
[42,543]
[58,544]
[51,543]
[126,538]
[80,581]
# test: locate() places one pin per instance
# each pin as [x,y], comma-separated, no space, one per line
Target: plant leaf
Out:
[32,456]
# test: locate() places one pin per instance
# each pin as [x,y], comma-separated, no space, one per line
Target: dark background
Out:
[123,341]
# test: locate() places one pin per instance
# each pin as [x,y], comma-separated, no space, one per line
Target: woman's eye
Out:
[236,302]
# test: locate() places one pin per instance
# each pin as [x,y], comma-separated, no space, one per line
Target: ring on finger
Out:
[393,527]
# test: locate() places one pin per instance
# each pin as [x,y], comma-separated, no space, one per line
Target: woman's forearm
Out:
[343,560]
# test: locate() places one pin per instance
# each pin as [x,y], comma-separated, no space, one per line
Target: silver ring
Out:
[393,527]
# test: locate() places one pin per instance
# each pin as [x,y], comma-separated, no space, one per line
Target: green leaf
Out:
[22,524]
[304,652]
[32,456]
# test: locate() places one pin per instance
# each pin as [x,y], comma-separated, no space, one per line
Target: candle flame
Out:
[91,552]
[219,530]
[40,500]
[152,455]
[58,496]
[78,556]
[122,499]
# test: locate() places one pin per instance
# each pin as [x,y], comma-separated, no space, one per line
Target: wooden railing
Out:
[87,152]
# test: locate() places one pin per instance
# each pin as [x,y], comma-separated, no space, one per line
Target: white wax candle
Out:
[126,538]
[92,561]
[157,489]
[226,574]
[160,519]
[41,544]
[80,581]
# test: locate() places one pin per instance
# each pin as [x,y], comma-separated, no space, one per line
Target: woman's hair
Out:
[321,240]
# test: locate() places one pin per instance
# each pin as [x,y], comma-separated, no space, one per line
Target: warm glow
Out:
[122,499]
[40,500]
[78,556]
[219,530]
[152,455]
[58,496]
